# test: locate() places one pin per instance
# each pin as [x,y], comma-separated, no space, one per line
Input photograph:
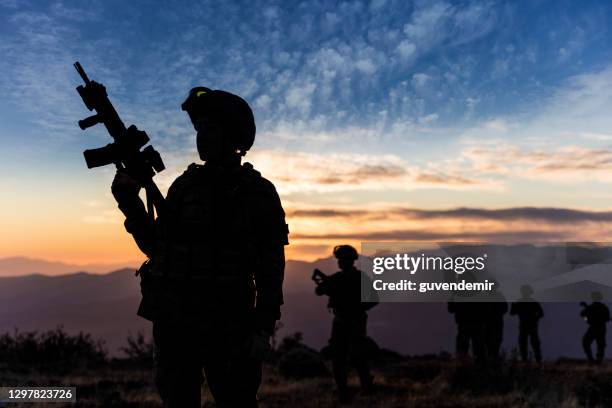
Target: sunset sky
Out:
[376,120]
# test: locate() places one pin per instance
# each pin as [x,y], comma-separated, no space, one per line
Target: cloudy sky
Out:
[377,120]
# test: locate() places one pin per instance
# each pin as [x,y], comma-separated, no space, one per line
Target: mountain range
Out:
[22,265]
[105,305]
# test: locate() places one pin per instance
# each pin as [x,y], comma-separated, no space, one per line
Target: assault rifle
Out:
[318,276]
[125,151]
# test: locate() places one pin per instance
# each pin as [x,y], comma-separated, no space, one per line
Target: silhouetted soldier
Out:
[213,286]
[529,313]
[494,311]
[349,328]
[597,316]
[470,320]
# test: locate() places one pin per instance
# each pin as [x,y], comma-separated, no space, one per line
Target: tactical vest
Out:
[344,294]
[208,231]
[207,241]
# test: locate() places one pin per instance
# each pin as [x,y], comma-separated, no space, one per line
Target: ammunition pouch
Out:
[146,309]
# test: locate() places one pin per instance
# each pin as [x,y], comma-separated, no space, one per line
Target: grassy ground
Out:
[410,382]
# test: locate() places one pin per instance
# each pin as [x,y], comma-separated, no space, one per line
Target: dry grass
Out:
[427,383]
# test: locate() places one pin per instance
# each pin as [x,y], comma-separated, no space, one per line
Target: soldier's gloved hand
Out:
[258,345]
[124,188]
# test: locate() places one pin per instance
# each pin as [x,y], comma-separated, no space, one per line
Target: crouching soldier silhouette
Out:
[597,316]
[529,313]
[213,284]
[349,327]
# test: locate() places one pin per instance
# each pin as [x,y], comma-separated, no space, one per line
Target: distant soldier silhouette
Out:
[494,311]
[597,316]
[529,313]
[349,328]
[469,317]
[213,285]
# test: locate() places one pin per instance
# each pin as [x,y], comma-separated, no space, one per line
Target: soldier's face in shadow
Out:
[345,263]
[212,142]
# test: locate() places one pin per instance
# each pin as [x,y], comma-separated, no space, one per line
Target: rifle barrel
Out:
[81,71]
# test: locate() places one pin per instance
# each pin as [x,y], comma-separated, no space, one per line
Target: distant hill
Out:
[105,306]
[20,265]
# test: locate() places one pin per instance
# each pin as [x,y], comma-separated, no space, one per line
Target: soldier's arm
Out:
[323,288]
[269,282]
[270,240]
[139,224]
[137,221]
[540,313]
[584,311]
[371,296]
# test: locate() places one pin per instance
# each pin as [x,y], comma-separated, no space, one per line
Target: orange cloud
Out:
[566,164]
[324,173]
[313,225]
[315,230]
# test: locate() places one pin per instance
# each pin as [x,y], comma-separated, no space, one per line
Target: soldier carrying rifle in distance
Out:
[597,316]
[349,328]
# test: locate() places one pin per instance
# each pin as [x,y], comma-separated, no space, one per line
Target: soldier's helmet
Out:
[345,252]
[596,296]
[231,111]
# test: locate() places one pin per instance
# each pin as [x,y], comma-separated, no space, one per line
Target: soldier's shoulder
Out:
[337,276]
[193,170]
[191,173]
[257,183]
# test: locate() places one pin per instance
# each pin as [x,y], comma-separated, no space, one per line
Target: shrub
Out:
[139,349]
[53,349]
[297,360]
